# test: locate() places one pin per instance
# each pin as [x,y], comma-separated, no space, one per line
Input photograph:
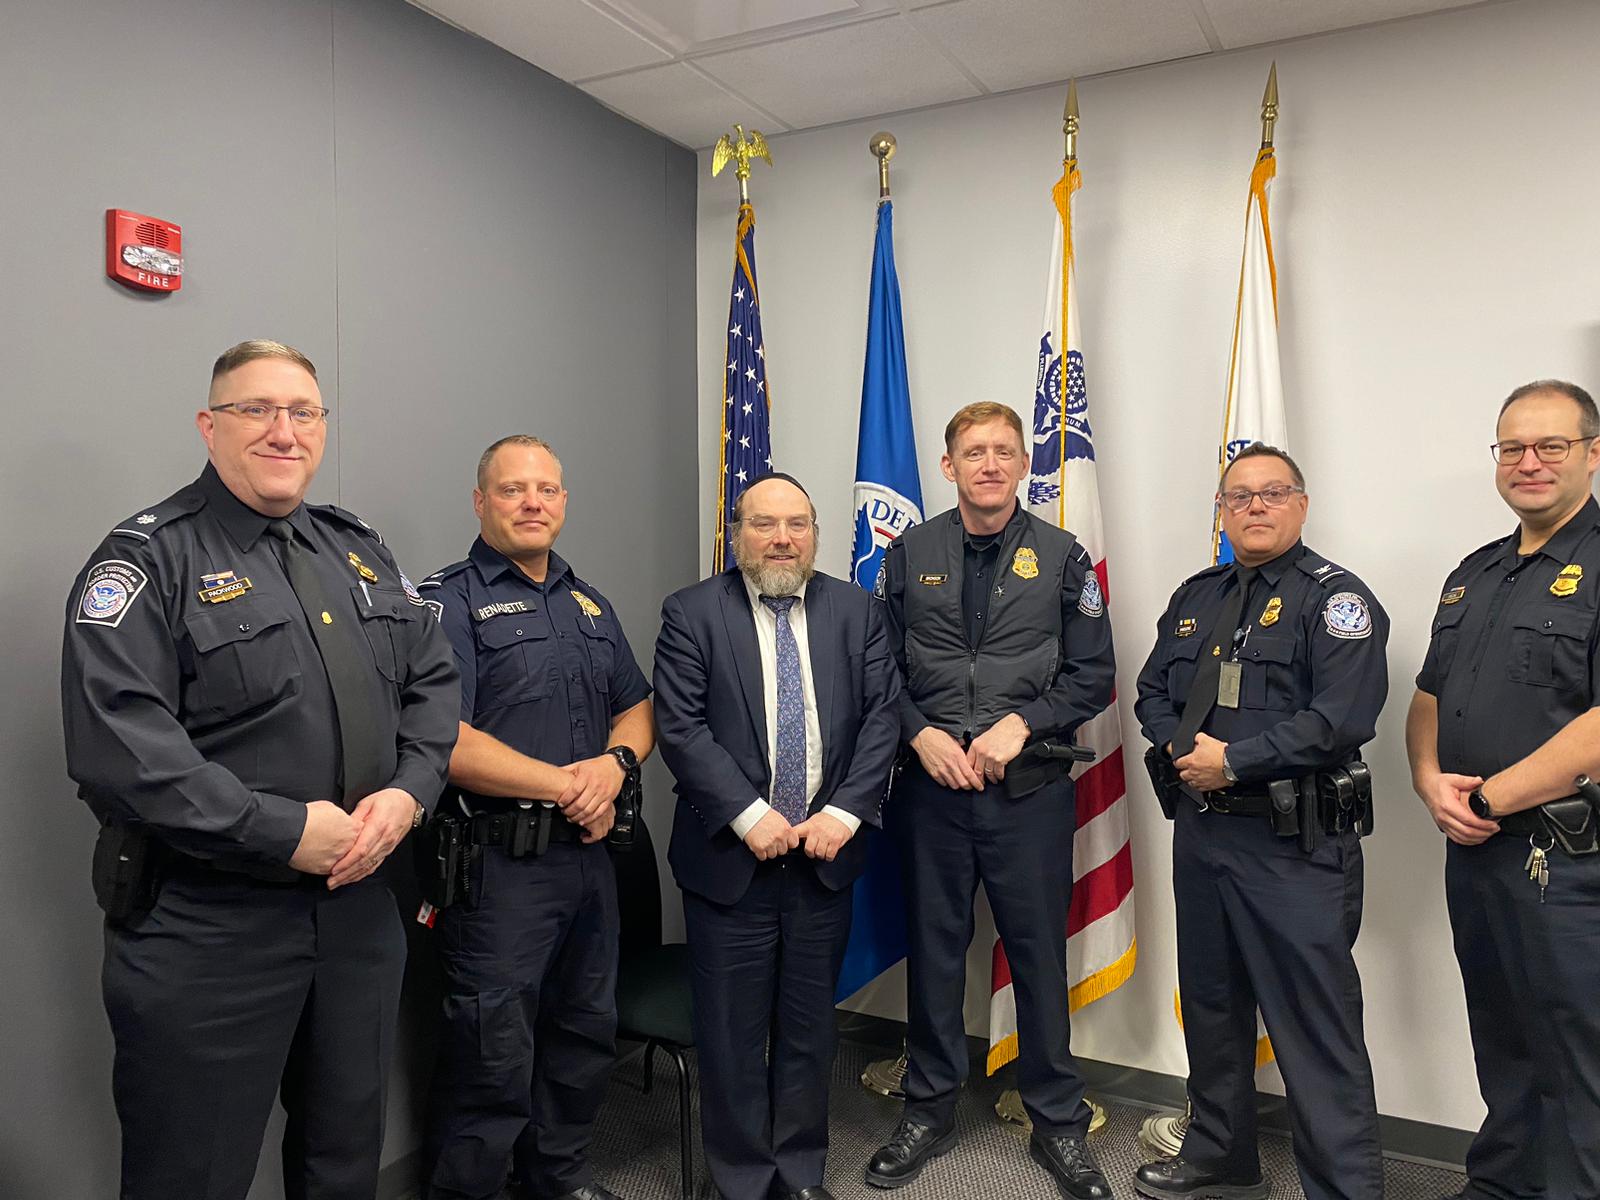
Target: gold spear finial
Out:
[882,145]
[1269,107]
[1069,119]
[741,150]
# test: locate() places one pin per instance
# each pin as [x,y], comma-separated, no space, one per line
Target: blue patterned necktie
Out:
[789,776]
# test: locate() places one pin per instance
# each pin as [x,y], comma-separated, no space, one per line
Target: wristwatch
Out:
[1479,804]
[418,817]
[626,758]
[1227,771]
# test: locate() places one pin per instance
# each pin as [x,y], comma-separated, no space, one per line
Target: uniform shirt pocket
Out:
[1267,678]
[1550,647]
[1445,634]
[515,660]
[244,656]
[384,617]
[600,639]
[1181,655]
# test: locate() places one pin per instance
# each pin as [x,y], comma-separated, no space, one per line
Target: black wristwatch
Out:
[626,758]
[1479,804]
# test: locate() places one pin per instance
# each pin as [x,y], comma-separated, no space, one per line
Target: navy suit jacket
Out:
[712,723]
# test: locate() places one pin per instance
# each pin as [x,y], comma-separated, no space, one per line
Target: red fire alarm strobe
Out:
[144,252]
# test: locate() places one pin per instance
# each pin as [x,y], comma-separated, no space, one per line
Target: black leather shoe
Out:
[589,1191]
[812,1193]
[1177,1179]
[1067,1159]
[908,1151]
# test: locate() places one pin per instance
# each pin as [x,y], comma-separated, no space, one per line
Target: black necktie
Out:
[1219,642]
[347,664]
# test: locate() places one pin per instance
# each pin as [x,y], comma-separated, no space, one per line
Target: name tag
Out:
[1228,685]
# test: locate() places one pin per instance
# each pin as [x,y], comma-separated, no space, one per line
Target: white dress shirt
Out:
[767,640]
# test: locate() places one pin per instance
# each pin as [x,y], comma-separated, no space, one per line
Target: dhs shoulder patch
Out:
[1091,602]
[109,590]
[1347,616]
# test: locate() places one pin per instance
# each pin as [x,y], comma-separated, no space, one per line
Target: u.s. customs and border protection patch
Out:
[110,587]
[1187,627]
[1346,615]
[1453,596]
[410,590]
[1091,601]
[590,608]
[1271,613]
[1567,580]
[1026,564]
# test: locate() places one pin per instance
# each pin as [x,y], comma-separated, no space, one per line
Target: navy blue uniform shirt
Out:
[544,666]
[1514,655]
[1313,673]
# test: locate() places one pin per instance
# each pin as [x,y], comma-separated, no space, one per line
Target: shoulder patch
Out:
[1091,603]
[143,524]
[1346,615]
[109,589]
[345,516]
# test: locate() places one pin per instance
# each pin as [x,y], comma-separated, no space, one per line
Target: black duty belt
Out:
[524,831]
[1237,802]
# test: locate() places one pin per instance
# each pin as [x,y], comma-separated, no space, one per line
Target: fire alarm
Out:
[144,252]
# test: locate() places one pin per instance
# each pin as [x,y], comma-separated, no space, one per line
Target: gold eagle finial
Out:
[740,150]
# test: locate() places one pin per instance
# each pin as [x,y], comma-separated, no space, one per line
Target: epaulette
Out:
[1214,569]
[1496,544]
[144,524]
[1319,568]
[347,517]
[444,573]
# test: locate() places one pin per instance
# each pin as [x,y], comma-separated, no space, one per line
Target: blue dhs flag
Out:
[888,500]
[746,424]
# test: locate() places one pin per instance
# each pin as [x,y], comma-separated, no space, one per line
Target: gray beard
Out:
[772,580]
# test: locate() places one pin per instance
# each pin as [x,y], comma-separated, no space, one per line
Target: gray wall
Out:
[464,245]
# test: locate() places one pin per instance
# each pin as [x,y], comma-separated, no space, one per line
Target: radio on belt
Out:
[143,252]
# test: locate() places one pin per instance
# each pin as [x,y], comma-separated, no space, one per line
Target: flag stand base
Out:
[1162,1134]
[886,1077]
[1009,1108]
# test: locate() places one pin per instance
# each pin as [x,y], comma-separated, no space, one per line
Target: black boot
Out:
[1176,1179]
[908,1151]
[1067,1159]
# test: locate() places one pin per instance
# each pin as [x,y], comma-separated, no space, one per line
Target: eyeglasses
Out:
[1274,495]
[254,412]
[767,526]
[1549,450]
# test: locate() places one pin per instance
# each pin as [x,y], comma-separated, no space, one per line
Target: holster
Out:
[1040,763]
[627,815]
[127,872]
[1164,779]
[444,857]
[1572,822]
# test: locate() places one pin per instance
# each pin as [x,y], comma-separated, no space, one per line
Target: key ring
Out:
[1533,843]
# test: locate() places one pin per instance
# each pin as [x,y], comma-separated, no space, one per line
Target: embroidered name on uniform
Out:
[224,585]
[109,589]
[1453,596]
[494,610]
[932,580]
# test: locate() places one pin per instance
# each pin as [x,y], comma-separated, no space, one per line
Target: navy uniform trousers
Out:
[1532,978]
[764,972]
[1262,923]
[1022,851]
[530,1022]
[230,990]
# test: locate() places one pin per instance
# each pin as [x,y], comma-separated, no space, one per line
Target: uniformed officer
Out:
[1266,679]
[554,714]
[258,709]
[1505,719]
[999,623]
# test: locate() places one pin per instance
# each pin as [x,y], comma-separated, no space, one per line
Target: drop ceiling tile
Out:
[1251,22]
[689,23]
[678,102]
[1018,43]
[876,66]
[568,38]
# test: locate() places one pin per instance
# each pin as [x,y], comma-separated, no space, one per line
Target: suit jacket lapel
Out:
[821,636]
[741,627]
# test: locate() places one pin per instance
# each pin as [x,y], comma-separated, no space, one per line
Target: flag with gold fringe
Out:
[746,425]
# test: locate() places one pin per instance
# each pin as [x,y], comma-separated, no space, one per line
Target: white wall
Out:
[1437,244]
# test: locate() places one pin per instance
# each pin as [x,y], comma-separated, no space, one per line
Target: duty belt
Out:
[523,831]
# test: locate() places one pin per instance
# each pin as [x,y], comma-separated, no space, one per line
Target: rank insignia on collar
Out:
[224,585]
[1026,564]
[362,569]
[1270,614]
[1453,596]
[1567,579]
[590,608]
[1187,627]
[932,580]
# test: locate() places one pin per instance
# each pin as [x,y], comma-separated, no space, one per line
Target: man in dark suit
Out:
[776,703]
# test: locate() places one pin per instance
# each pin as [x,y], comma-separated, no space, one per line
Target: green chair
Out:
[654,1005]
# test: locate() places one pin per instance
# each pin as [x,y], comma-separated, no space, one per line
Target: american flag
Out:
[1063,490]
[746,424]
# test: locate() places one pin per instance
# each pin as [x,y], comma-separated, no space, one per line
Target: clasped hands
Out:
[981,763]
[822,834]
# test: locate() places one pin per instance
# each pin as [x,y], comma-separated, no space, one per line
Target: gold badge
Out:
[224,585]
[362,569]
[1187,627]
[327,617]
[1216,652]
[932,580]
[1026,564]
[1269,615]
[1567,580]
[1453,596]
[590,608]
